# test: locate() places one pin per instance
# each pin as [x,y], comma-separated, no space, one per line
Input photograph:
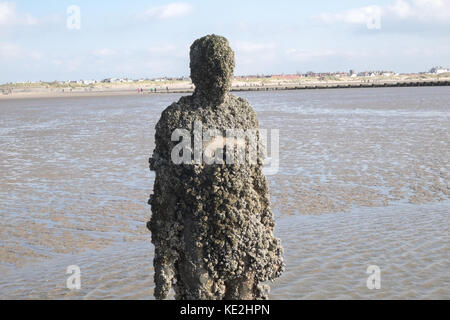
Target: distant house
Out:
[340,74]
[370,73]
[89,82]
[286,76]
[439,70]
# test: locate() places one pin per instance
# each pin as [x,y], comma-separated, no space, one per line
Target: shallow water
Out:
[363,180]
[326,256]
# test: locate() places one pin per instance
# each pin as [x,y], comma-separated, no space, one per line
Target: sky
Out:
[79,39]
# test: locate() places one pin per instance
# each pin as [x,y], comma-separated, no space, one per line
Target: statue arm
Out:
[163,202]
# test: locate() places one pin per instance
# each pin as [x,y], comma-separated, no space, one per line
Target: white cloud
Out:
[251,55]
[171,10]
[317,54]
[252,47]
[103,52]
[170,50]
[162,49]
[423,10]
[11,51]
[401,9]
[10,17]
[8,50]
[429,11]
[309,54]
[443,49]
[352,16]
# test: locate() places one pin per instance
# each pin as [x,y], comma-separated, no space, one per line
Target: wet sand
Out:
[364,179]
[326,258]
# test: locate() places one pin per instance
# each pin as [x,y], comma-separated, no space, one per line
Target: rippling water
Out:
[363,180]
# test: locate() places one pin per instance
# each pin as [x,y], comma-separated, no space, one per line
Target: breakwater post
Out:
[332,85]
[211,224]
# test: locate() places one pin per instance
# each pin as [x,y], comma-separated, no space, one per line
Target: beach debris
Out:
[211,224]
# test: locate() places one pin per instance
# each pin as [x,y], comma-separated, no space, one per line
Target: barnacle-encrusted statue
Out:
[212,225]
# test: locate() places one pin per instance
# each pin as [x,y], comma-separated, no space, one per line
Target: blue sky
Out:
[137,38]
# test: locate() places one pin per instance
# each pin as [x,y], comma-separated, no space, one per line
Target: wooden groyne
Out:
[345,85]
[312,86]
[29,93]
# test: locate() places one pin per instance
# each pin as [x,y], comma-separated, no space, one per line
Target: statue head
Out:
[212,67]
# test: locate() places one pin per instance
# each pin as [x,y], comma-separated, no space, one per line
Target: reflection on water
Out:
[364,179]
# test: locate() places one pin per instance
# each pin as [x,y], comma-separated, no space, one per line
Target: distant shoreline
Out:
[42,92]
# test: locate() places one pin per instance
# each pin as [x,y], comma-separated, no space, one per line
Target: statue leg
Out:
[193,281]
[164,273]
[246,288]
[240,288]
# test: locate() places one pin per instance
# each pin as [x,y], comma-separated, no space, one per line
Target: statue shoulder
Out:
[173,114]
[242,107]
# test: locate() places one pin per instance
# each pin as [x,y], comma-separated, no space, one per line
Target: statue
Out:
[211,224]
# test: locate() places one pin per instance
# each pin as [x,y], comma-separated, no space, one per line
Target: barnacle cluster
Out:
[212,225]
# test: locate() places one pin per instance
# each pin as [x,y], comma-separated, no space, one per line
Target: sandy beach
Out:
[35,91]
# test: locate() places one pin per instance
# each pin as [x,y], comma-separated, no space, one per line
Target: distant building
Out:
[375,73]
[285,76]
[439,70]
[89,82]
